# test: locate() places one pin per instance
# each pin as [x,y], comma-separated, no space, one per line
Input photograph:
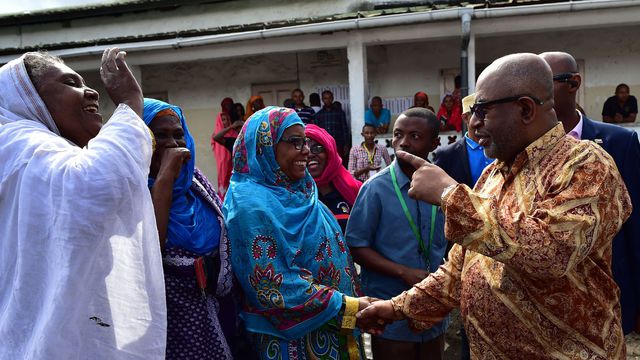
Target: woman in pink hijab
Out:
[337,188]
[222,140]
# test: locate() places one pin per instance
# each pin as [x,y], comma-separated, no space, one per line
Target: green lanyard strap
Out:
[412,224]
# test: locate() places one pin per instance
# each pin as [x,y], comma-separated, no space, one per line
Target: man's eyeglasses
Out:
[298,141]
[564,77]
[479,109]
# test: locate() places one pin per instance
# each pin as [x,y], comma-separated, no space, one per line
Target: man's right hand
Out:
[172,161]
[374,317]
[413,276]
[120,83]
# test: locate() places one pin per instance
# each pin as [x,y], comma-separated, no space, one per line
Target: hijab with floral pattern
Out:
[287,248]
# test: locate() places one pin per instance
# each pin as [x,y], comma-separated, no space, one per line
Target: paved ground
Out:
[633,346]
[452,337]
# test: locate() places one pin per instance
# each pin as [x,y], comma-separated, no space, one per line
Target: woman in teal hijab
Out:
[287,249]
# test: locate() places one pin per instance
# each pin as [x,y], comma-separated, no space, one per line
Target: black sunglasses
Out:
[564,77]
[298,141]
[479,109]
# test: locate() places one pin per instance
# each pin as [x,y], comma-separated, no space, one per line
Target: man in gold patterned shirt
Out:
[531,267]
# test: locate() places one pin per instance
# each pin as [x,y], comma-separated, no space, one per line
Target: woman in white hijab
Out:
[80,265]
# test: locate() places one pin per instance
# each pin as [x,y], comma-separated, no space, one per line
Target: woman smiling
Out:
[287,249]
[192,237]
[336,186]
[80,265]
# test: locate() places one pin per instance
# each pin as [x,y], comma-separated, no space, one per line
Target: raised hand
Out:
[120,83]
[374,317]
[172,161]
[428,181]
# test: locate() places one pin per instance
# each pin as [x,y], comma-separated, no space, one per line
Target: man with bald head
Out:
[622,144]
[531,265]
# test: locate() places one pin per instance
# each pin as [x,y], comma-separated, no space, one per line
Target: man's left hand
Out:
[428,181]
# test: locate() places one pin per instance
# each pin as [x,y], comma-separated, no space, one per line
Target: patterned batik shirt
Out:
[531,267]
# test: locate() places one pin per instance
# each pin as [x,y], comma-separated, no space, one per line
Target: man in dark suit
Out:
[622,144]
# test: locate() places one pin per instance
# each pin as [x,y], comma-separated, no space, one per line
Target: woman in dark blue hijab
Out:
[192,238]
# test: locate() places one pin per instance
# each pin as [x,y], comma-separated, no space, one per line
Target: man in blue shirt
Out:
[377,116]
[398,241]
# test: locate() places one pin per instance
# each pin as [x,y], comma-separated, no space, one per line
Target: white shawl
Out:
[80,264]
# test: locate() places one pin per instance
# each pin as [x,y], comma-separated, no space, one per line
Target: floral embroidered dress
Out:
[195,231]
[531,270]
[287,251]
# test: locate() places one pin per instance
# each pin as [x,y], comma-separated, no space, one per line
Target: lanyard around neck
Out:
[412,224]
[369,154]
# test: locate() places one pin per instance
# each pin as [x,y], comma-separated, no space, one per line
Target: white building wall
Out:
[610,56]
[401,70]
[199,87]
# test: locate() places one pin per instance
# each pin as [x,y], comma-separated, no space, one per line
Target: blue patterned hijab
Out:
[193,224]
[287,249]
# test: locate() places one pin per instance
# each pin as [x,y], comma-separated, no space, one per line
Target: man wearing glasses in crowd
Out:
[531,267]
[622,144]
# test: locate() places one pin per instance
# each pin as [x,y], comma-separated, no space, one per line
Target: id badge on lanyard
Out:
[426,251]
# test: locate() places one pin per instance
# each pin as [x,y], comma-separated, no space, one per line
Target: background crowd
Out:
[122,248]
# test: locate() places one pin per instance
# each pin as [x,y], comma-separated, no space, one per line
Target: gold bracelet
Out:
[350,310]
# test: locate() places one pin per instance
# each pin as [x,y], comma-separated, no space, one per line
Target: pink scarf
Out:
[334,172]
[223,156]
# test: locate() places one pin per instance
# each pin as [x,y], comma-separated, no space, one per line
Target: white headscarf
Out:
[19,99]
[80,263]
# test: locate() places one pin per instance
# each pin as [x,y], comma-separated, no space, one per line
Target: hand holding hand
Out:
[119,81]
[428,181]
[172,161]
[373,318]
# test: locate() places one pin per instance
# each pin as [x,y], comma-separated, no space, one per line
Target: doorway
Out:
[274,93]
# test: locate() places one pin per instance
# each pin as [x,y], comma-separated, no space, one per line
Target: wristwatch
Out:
[446,191]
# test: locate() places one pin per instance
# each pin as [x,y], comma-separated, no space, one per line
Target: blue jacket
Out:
[623,146]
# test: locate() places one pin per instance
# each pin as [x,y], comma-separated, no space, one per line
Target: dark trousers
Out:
[384,349]
[464,345]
